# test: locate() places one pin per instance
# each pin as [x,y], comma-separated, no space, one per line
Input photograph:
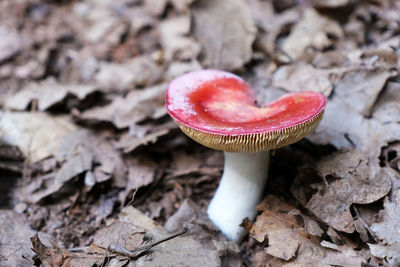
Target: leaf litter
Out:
[82,103]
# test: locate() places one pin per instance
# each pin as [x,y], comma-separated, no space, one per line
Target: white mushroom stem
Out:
[239,191]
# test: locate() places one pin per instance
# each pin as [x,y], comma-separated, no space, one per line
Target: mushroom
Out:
[217,109]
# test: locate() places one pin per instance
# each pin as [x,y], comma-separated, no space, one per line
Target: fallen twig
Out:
[136,253]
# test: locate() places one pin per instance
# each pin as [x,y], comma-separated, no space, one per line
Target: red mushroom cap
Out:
[217,109]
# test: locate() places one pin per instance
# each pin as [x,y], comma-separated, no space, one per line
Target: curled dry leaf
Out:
[136,106]
[289,241]
[14,232]
[47,94]
[303,77]
[175,39]
[391,254]
[119,233]
[279,225]
[388,229]
[190,215]
[331,3]
[141,172]
[139,71]
[16,129]
[139,135]
[155,7]
[178,68]
[348,178]
[344,125]
[76,150]
[11,43]
[226,41]
[181,251]
[270,23]
[181,5]
[313,30]
[366,85]
[56,256]
[107,162]
[387,107]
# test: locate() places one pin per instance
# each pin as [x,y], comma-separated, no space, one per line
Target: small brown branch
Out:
[138,252]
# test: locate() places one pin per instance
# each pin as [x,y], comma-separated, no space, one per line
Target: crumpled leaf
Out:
[76,151]
[344,127]
[331,3]
[139,71]
[119,233]
[15,245]
[175,40]
[174,252]
[270,23]
[141,135]
[388,229]
[178,68]
[107,162]
[288,240]
[311,31]
[36,134]
[56,256]
[365,84]
[279,224]
[141,172]
[190,215]
[303,77]
[47,94]
[181,5]
[348,178]
[135,107]
[387,107]
[155,7]
[226,31]
[11,43]
[391,254]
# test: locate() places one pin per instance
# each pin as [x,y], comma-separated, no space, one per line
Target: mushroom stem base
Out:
[239,191]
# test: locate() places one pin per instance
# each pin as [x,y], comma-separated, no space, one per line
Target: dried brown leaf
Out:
[289,241]
[387,107]
[181,251]
[11,43]
[270,23]
[303,77]
[155,7]
[139,71]
[226,41]
[141,172]
[175,39]
[37,135]
[119,233]
[354,180]
[391,254]
[47,94]
[56,256]
[278,225]
[41,136]
[143,135]
[344,125]
[136,106]
[388,229]
[365,84]
[107,162]
[311,31]
[15,245]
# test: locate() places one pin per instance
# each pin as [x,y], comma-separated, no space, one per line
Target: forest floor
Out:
[93,170]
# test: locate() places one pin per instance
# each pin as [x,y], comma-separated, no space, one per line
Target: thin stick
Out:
[136,253]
